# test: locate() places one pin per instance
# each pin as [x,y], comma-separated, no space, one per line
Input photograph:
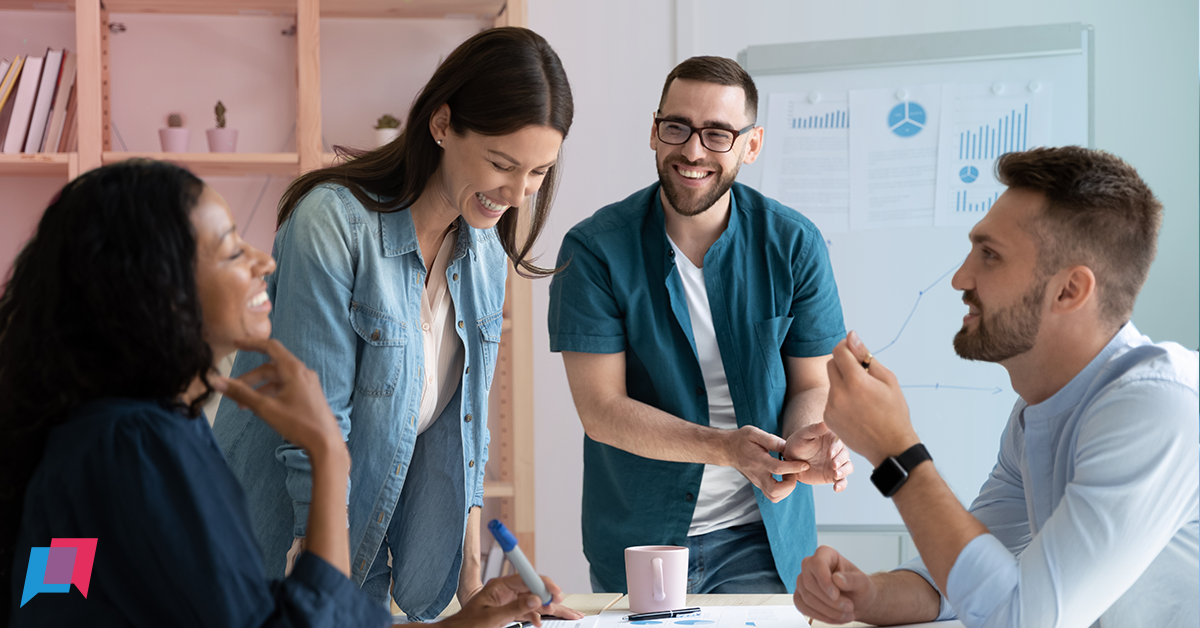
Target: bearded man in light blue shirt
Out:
[1090,516]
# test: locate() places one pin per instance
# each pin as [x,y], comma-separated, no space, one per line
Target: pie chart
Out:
[906,119]
[968,174]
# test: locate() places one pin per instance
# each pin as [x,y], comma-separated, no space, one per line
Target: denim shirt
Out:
[347,302]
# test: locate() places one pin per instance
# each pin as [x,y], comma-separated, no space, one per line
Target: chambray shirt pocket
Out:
[769,334]
[380,348]
[490,328]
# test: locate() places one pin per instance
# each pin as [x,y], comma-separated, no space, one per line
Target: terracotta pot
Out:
[222,140]
[174,139]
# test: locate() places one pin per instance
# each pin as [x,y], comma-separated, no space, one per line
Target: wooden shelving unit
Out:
[512,389]
[221,164]
[38,164]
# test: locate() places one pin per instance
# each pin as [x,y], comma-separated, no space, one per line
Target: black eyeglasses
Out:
[713,138]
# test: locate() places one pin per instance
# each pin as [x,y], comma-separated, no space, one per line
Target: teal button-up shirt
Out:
[772,294]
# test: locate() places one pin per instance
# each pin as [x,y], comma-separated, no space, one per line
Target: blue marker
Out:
[508,543]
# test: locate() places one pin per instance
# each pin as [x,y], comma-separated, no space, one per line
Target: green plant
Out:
[174,121]
[220,115]
[387,121]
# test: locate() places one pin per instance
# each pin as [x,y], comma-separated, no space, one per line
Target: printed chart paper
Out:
[982,122]
[893,156]
[715,617]
[808,157]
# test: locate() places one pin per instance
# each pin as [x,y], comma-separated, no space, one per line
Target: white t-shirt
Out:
[726,497]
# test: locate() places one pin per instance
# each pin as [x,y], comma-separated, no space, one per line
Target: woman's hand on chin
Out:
[287,395]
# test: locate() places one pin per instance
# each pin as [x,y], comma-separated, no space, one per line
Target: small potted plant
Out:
[387,128]
[221,139]
[174,138]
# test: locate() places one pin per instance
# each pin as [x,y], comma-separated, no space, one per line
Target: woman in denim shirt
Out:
[391,287]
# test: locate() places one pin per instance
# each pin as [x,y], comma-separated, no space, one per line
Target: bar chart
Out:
[983,124]
[965,202]
[1008,133]
[830,120]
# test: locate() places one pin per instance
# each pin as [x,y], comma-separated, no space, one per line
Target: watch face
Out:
[889,476]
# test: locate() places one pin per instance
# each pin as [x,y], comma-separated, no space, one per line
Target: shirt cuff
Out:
[917,566]
[984,575]
[581,343]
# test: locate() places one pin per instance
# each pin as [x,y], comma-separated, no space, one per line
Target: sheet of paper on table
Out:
[715,617]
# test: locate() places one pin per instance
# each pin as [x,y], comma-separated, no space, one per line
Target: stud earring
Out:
[439,142]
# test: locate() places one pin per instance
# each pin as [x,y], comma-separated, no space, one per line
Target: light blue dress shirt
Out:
[1092,506]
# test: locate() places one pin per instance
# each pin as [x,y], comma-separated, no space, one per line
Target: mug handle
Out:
[660,593]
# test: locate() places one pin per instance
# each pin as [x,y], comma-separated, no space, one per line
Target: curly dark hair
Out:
[101,302]
[496,83]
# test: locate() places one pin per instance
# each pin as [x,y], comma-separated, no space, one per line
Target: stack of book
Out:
[37,104]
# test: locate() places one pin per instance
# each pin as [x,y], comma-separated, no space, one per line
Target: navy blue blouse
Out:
[175,546]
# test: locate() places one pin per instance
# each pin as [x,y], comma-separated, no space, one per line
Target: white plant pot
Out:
[222,140]
[174,139]
[385,136]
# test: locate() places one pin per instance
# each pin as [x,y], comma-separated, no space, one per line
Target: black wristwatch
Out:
[893,472]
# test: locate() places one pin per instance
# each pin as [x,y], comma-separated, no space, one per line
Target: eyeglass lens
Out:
[715,140]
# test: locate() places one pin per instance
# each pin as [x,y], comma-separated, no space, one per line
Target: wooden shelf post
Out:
[308,84]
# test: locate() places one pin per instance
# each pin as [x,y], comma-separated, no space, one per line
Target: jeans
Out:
[733,560]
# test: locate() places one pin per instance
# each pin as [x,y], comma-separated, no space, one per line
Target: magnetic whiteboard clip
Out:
[997,88]
[902,94]
[1035,86]
[814,98]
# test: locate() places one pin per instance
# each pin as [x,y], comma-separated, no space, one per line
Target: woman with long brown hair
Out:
[391,287]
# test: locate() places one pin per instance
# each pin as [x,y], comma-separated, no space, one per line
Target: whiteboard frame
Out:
[994,44]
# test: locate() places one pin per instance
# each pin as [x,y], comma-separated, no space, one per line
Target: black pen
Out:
[682,612]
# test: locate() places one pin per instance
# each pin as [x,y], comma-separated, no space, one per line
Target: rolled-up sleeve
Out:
[315,280]
[584,314]
[817,323]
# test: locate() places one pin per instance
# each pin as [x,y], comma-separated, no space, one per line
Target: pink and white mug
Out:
[657,577]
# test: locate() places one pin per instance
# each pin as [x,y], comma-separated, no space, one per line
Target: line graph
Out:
[920,295]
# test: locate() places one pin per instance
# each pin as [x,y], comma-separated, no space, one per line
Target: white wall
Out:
[617,53]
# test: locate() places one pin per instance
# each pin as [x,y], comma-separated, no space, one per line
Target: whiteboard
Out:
[895,283]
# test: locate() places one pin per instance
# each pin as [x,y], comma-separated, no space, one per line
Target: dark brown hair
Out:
[717,70]
[1098,213]
[496,83]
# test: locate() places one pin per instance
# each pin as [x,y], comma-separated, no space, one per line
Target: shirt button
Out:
[455,276]
[467,418]
[425,326]
[468,370]
[471,463]
[671,252]
[375,335]
[700,390]
[460,324]
[689,497]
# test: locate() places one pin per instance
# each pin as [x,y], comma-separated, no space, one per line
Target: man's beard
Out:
[1009,332]
[690,202]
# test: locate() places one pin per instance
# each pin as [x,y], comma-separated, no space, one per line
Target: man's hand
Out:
[831,589]
[749,451]
[866,407]
[826,454]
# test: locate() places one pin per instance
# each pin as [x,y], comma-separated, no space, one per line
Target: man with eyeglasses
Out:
[695,319]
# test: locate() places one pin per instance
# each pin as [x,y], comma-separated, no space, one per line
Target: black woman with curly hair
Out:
[135,280]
